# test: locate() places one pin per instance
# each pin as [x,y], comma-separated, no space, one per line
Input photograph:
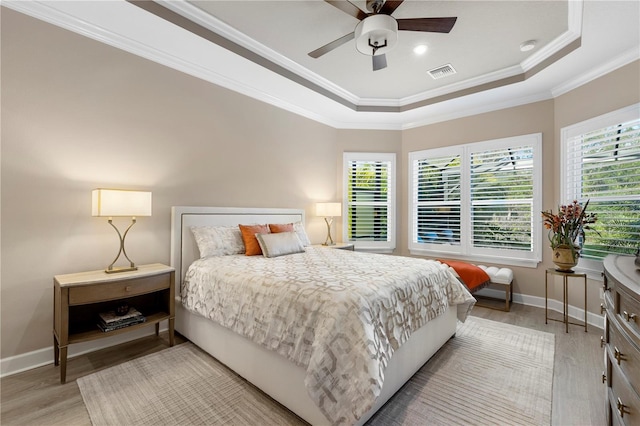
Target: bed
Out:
[297,376]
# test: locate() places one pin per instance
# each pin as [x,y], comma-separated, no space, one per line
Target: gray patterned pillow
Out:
[218,240]
[274,245]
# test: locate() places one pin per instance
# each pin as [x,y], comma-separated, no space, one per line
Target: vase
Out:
[565,258]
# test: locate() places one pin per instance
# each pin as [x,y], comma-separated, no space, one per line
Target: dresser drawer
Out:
[623,353]
[629,311]
[625,404]
[117,290]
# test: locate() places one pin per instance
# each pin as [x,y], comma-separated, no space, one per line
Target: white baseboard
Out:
[38,358]
[553,305]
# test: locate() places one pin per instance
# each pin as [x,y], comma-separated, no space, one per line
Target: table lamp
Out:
[119,202]
[329,211]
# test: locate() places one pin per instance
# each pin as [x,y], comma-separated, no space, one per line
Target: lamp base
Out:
[121,269]
[329,240]
[132,266]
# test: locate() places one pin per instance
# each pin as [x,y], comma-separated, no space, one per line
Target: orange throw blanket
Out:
[473,277]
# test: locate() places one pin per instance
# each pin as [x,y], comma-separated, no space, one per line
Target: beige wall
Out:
[77,115]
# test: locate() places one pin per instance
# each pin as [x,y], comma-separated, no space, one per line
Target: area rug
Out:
[490,373]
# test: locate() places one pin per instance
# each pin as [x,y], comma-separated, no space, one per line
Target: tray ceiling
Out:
[260,48]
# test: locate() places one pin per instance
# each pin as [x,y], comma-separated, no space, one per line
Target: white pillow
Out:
[218,240]
[302,234]
[274,245]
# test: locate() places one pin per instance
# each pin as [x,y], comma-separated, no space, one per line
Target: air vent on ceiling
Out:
[443,71]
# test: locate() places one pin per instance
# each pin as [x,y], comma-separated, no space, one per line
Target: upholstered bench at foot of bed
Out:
[500,277]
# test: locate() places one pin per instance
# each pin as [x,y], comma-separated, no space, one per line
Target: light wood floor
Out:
[36,397]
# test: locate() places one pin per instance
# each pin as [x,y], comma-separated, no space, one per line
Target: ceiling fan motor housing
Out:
[376,30]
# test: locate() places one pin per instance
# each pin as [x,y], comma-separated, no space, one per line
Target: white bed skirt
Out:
[284,381]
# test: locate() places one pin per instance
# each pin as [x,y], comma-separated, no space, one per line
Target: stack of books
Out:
[109,321]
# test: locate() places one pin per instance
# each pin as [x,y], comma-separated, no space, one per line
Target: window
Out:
[601,165]
[369,200]
[477,201]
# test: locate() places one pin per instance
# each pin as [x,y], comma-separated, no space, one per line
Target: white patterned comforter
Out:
[338,314]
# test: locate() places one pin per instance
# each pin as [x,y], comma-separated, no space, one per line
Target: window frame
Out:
[466,251]
[592,267]
[368,245]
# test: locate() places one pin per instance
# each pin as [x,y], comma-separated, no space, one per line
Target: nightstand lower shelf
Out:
[154,319]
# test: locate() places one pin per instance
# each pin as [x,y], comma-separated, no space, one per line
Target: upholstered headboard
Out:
[183,245]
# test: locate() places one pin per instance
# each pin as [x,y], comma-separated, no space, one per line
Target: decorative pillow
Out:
[472,276]
[252,248]
[298,228]
[280,227]
[218,240]
[279,244]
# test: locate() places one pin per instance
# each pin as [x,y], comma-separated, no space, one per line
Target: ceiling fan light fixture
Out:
[376,30]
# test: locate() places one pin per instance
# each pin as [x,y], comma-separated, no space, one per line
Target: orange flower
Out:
[568,226]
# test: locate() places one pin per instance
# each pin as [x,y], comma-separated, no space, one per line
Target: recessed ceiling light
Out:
[420,49]
[527,45]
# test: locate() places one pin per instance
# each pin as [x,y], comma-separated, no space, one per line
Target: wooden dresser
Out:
[621,340]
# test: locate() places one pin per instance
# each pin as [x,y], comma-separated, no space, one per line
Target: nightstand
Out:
[79,298]
[339,246]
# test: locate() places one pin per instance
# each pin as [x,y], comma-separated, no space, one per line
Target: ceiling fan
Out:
[377,31]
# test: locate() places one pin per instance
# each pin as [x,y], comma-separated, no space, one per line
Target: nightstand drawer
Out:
[118,290]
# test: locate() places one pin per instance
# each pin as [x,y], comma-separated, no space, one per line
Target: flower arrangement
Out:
[570,223]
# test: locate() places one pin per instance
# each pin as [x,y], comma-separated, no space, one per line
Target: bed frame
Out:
[272,373]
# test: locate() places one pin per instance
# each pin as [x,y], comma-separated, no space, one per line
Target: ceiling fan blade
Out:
[431,25]
[330,46]
[390,6]
[379,62]
[348,8]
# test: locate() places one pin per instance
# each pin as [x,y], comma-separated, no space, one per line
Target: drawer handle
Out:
[622,409]
[604,377]
[601,341]
[618,355]
[629,316]
[127,288]
[602,308]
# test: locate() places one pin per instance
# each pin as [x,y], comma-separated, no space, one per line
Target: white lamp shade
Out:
[329,209]
[119,202]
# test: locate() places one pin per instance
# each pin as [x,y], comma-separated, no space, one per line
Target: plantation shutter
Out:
[502,183]
[478,201]
[436,191]
[603,167]
[370,200]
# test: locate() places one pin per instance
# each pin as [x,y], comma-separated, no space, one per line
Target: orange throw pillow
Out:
[276,228]
[475,278]
[251,246]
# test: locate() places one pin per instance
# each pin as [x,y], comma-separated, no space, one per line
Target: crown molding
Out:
[619,61]
[219,27]
[87,20]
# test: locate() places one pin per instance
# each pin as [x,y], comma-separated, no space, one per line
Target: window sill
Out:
[525,263]
[380,250]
